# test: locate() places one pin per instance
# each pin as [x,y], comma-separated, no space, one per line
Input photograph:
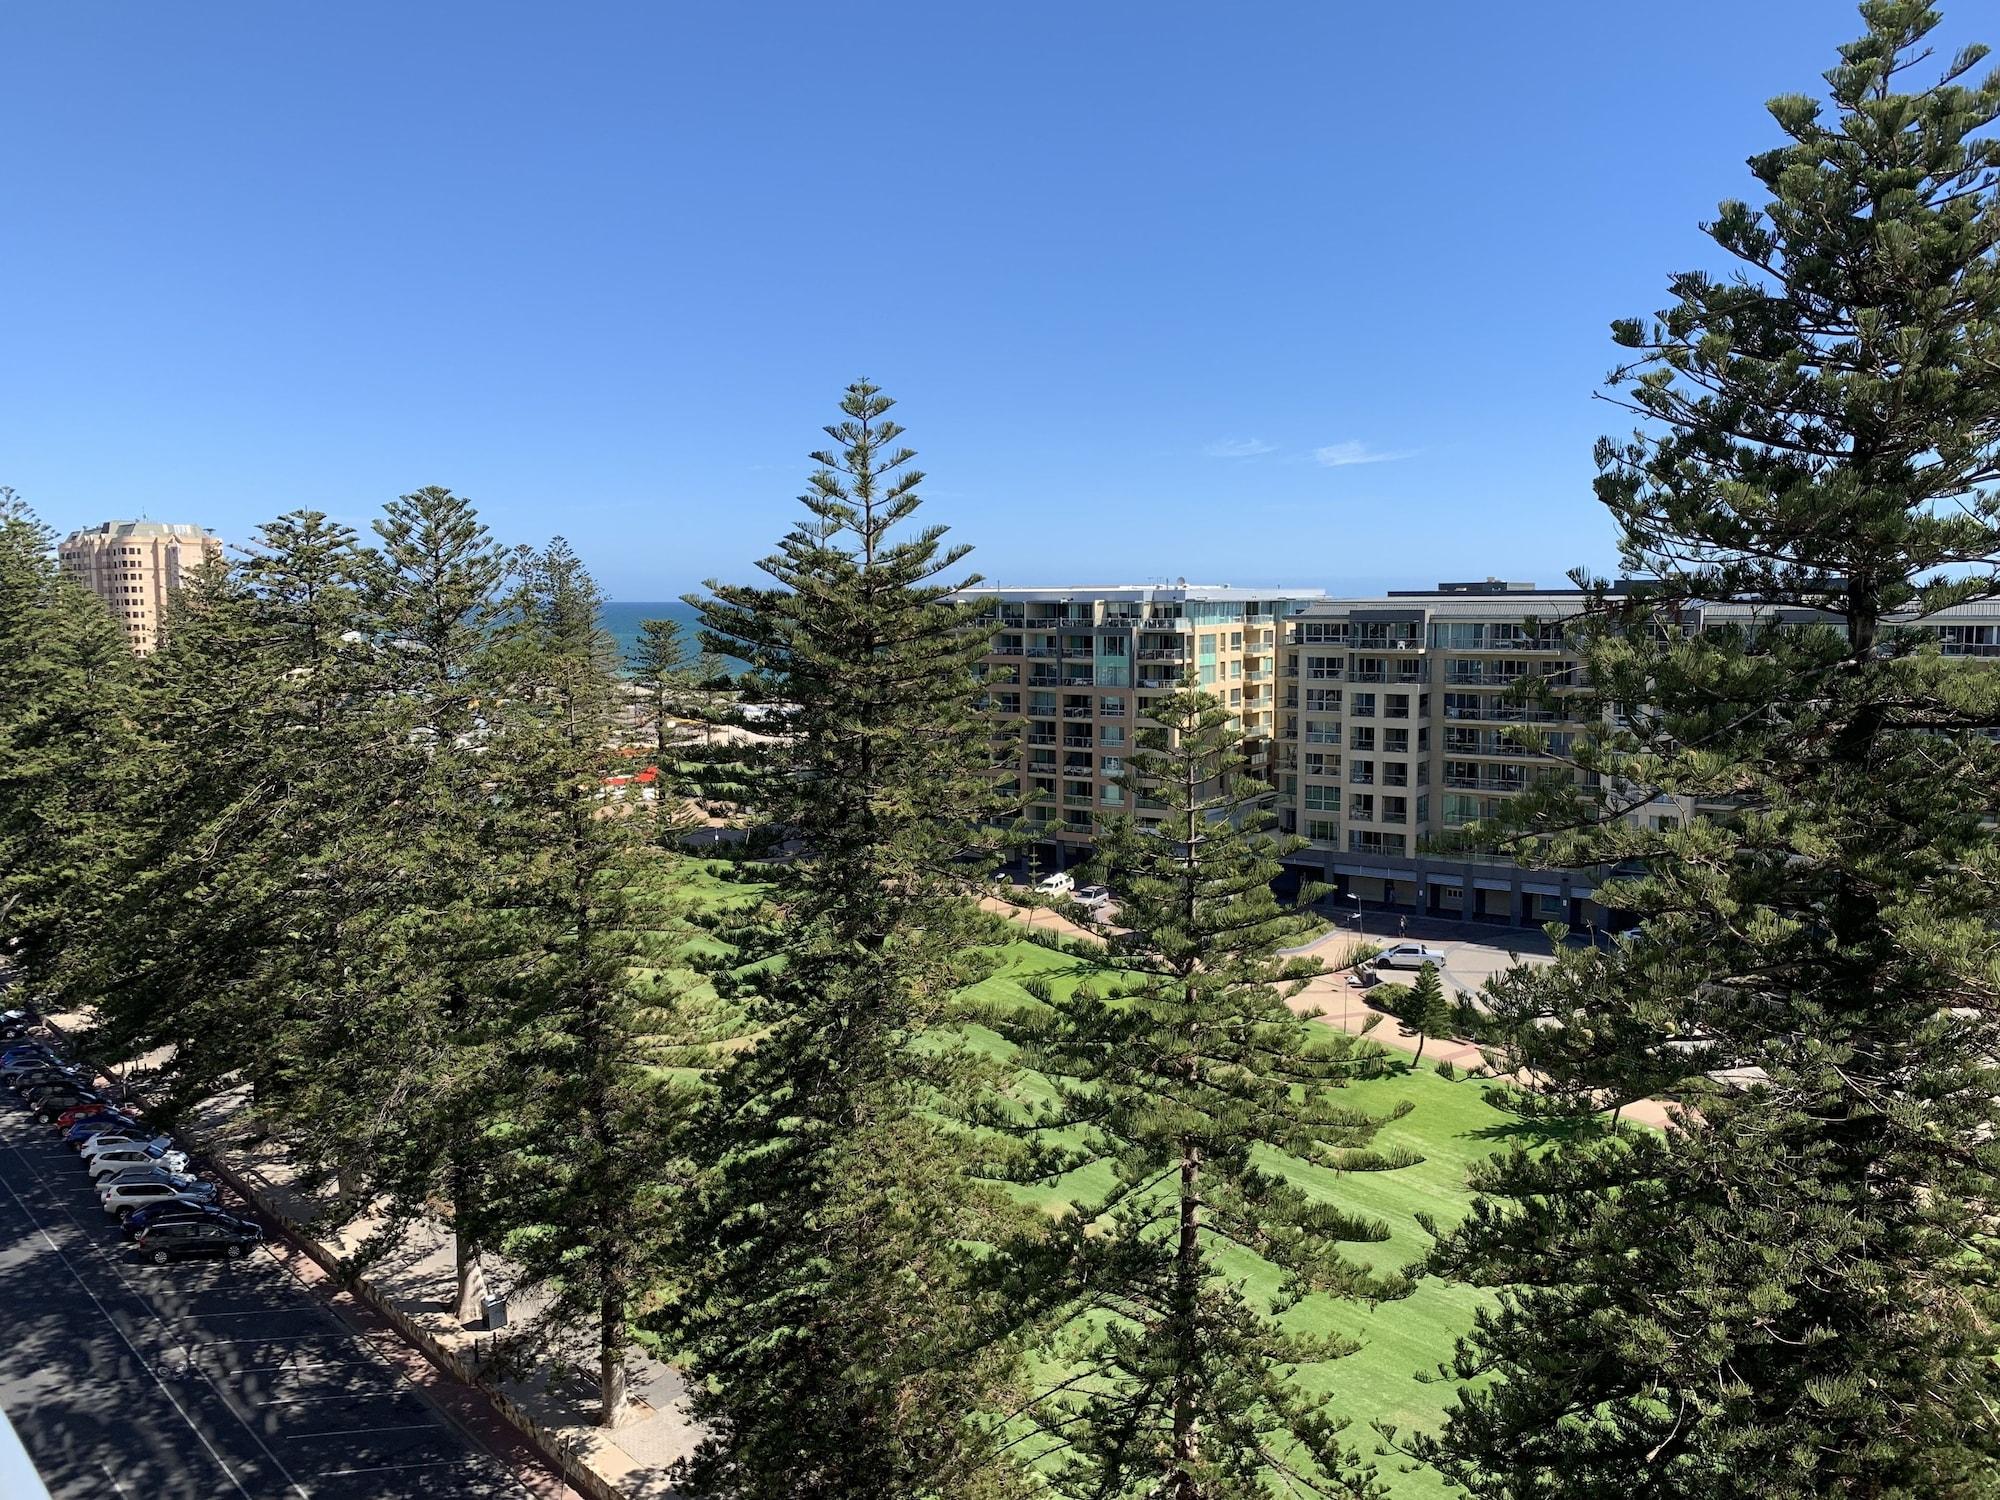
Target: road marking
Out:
[436,1463]
[180,1411]
[300,1437]
[332,1396]
[187,1356]
[111,1476]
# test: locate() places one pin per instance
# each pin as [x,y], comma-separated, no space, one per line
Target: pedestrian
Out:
[1402,927]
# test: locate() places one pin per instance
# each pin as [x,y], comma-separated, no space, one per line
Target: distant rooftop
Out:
[1179,589]
[145,528]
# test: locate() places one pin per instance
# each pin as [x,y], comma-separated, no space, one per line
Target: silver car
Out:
[1409,956]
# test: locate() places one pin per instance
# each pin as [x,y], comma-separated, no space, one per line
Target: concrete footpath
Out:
[412,1289]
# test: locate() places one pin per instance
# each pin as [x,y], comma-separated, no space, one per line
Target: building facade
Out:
[133,565]
[1070,673]
[1395,733]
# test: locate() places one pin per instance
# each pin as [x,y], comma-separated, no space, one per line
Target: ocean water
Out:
[621,619]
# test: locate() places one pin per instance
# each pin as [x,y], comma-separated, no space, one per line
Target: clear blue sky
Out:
[1145,277]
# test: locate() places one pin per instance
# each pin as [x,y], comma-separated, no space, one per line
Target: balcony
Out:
[1041,739]
[1368,674]
[1078,741]
[1359,777]
[1004,651]
[1075,681]
[1158,653]
[1038,651]
[1076,713]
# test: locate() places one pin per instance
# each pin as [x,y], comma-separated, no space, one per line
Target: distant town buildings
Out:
[133,565]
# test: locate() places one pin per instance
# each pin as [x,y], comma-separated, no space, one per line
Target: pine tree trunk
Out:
[465,1253]
[1420,1050]
[1187,1289]
[471,1280]
[347,1187]
[611,1359]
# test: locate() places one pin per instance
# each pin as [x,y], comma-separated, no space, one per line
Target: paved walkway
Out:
[418,1281]
[1473,952]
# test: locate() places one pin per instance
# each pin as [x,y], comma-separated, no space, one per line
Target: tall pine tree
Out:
[830,1309]
[70,752]
[596,1153]
[1792,1292]
[1194,1079]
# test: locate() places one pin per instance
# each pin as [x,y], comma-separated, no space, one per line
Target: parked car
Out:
[1409,956]
[140,1219]
[124,1138]
[52,1099]
[113,1156]
[174,1177]
[120,1198]
[164,1242]
[1094,895]
[30,1079]
[97,1116]
[1055,885]
[27,1062]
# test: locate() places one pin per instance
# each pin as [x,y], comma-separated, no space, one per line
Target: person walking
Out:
[1402,927]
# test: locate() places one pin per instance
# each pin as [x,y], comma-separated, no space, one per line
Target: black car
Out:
[52,1072]
[161,1243]
[140,1220]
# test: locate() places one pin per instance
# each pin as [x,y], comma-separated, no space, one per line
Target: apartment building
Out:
[1071,672]
[133,565]
[1394,733]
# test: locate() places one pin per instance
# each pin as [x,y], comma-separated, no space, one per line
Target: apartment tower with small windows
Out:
[133,565]
[1071,672]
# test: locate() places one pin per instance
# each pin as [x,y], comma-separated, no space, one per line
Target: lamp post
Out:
[1359,930]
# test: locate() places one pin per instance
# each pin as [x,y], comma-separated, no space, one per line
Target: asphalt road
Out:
[196,1380]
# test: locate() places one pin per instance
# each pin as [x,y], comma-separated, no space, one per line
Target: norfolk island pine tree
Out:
[839,1338]
[1188,1079]
[1791,1293]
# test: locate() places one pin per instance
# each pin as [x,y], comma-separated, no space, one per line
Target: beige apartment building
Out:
[1395,734]
[1071,672]
[133,565]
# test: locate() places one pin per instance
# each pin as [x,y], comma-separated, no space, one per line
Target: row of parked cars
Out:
[142,1176]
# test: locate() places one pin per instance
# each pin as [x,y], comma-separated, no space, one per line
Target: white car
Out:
[1409,956]
[1055,885]
[1094,895]
[122,1197]
[121,1158]
[123,1140]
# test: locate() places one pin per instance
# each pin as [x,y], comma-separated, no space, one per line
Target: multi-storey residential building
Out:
[133,565]
[1072,671]
[1394,733]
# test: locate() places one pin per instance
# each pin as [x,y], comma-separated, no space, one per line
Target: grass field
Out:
[1449,1128]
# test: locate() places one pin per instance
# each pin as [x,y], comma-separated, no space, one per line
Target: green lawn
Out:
[1450,1127]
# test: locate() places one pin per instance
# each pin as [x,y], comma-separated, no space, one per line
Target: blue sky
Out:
[1252,293]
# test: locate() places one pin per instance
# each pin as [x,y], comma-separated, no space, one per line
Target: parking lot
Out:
[196,1379]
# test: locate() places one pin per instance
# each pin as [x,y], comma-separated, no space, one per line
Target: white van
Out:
[1054,885]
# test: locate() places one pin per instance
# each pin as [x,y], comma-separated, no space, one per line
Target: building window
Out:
[1322,798]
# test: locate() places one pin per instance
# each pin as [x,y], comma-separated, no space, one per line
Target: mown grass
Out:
[1449,1128]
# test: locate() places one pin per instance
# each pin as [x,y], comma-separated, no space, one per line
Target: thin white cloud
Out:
[1340,455]
[1238,448]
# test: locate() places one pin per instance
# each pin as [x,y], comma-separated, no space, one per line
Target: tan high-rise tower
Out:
[133,565]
